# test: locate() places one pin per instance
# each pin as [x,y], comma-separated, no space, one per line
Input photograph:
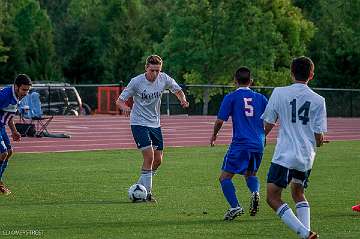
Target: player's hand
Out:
[184,104]
[16,136]
[322,143]
[126,112]
[325,142]
[212,140]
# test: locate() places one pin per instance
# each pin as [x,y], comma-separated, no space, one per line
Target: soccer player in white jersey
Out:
[9,99]
[301,114]
[146,90]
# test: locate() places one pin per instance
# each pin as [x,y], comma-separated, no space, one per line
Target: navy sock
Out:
[229,192]
[253,184]
[3,167]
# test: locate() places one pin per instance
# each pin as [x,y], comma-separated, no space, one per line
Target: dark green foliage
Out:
[203,41]
[3,49]
[209,40]
[107,40]
[28,36]
[335,47]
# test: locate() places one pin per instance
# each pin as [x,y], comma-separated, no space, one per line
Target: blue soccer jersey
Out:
[8,104]
[245,108]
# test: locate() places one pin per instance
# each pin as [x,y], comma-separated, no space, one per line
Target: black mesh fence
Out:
[339,102]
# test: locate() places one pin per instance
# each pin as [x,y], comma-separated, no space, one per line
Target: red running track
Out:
[102,132]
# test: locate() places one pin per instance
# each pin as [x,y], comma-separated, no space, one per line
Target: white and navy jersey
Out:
[8,104]
[147,98]
[301,112]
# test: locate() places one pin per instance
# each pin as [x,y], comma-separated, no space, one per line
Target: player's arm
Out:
[217,126]
[128,92]
[182,98]
[270,115]
[268,127]
[171,84]
[320,124]
[123,107]
[319,139]
[14,133]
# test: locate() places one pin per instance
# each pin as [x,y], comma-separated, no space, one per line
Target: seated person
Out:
[30,106]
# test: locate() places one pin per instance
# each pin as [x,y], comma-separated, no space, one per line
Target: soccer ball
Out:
[137,192]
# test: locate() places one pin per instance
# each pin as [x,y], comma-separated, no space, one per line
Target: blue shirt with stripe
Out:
[245,107]
[8,104]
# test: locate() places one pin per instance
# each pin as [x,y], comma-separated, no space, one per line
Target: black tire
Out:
[72,112]
[85,110]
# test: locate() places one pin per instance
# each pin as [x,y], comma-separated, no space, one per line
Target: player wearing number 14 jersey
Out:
[302,116]
[246,149]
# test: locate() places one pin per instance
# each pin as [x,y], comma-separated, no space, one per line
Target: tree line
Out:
[201,41]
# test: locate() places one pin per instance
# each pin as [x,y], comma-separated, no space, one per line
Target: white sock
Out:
[289,218]
[146,179]
[303,213]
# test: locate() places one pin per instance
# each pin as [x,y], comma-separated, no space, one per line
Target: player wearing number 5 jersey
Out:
[246,149]
[301,114]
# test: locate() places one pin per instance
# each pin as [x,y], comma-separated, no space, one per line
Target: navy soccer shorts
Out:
[146,137]
[282,176]
[238,160]
[4,141]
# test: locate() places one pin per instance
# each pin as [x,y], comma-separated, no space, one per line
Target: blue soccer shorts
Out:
[4,141]
[238,160]
[146,137]
[282,176]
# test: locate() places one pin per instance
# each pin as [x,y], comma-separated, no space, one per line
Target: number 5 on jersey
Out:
[249,109]
[303,109]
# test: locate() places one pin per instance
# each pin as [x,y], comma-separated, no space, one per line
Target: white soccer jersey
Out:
[147,98]
[301,112]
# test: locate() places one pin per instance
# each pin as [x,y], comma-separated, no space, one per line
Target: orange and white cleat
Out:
[356,208]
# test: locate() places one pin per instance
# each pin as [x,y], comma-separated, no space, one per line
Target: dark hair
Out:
[22,79]
[243,75]
[301,68]
[154,60]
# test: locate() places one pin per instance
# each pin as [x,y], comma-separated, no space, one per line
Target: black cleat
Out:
[254,203]
[232,213]
[150,198]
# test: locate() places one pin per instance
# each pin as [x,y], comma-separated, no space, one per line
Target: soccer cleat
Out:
[254,203]
[313,235]
[150,198]
[232,213]
[3,189]
[356,208]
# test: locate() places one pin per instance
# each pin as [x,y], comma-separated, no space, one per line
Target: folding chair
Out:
[31,113]
[41,124]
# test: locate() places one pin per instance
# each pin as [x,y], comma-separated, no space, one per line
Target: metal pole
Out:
[351,104]
[168,104]
[49,99]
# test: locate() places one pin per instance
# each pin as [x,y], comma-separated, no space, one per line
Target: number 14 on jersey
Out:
[302,113]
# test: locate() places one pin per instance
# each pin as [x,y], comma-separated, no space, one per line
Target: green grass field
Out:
[84,195]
